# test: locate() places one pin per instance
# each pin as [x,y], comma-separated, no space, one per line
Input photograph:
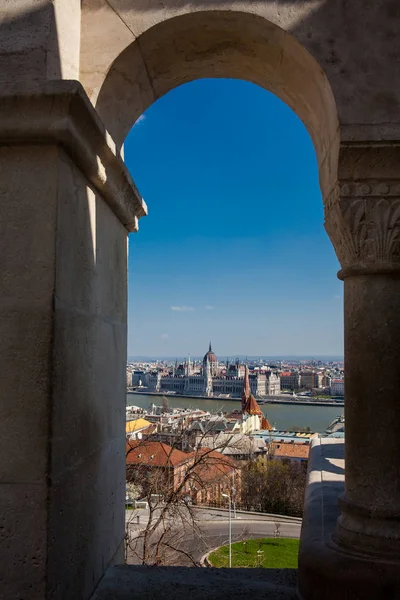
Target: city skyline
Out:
[241,357]
[233,248]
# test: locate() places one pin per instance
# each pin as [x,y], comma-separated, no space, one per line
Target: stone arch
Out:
[229,44]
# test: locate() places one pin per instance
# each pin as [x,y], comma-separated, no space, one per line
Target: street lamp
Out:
[233,493]
[230,529]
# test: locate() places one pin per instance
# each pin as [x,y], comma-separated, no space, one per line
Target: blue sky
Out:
[233,248]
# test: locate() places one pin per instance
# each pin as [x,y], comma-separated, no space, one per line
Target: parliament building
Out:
[211,379]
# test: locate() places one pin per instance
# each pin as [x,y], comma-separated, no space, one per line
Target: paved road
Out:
[214,532]
[204,514]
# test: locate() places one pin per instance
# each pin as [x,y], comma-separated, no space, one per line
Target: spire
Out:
[252,407]
[246,388]
[249,403]
[209,348]
[265,424]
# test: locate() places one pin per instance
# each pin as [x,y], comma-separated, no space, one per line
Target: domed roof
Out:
[210,356]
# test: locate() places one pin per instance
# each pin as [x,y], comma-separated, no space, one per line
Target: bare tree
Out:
[165,405]
[173,482]
[275,487]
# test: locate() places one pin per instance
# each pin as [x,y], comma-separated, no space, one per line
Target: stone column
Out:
[363,222]
[40,40]
[67,203]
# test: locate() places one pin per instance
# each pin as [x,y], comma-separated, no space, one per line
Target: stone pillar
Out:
[363,222]
[66,205]
[40,40]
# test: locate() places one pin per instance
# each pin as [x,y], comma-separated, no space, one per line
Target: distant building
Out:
[337,387]
[218,431]
[137,377]
[251,413]
[215,474]
[147,457]
[212,361]
[285,451]
[326,381]
[273,383]
[290,452]
[175,420]
[213,381]
[136,428]
[310,380]
[285,437]
[290,380]
[201,476]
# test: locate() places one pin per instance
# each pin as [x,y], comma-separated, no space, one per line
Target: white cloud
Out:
[338,297]
[182,308]
[209,307]
[164,336]
[140,120]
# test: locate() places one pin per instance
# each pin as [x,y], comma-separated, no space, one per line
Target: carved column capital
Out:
[362,214]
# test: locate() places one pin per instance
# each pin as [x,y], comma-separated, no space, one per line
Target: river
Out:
[283,416]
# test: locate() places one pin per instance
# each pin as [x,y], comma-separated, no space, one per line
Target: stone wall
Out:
[62,343]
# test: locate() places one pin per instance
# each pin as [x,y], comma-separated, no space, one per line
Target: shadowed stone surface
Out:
[180,583]
[327,571]
[66,202]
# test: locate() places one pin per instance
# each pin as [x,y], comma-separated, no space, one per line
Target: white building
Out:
[337,387]
[213,381]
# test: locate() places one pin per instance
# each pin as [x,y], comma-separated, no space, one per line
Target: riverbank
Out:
[267,400]
[289,417]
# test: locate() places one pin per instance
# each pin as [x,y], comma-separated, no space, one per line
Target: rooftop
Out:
[154,453]
[212,465]
[136,425]
[286,450]
[285,436]
[252,407]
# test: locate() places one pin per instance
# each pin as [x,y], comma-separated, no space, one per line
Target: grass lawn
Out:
[275,554]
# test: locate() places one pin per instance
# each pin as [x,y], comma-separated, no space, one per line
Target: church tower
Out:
[246,388]
[252,416]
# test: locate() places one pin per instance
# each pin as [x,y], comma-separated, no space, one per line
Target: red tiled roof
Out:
[212,465]
[288,450]
[146,452]
[265,424]
[252,407]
